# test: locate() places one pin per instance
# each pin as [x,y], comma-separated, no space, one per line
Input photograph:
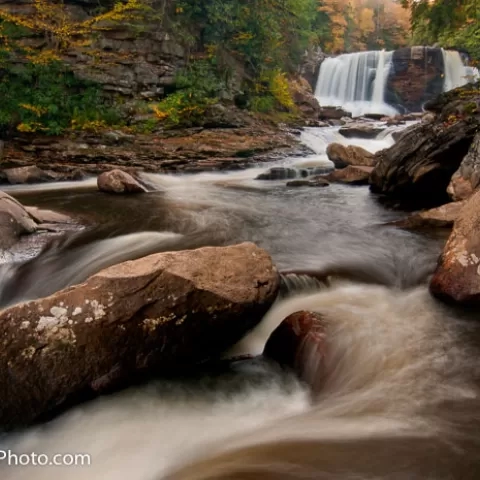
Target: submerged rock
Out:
[314,182]
[14,221]
[343,156]
[281,173]
[300,343]
[457,277]
[151,315]
[467,178]
[118,181]
[440,217]
[353,175]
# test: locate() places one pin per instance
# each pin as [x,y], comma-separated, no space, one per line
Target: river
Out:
[400,396]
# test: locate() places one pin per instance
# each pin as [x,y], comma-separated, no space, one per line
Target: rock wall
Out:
[417,75]
[127,61]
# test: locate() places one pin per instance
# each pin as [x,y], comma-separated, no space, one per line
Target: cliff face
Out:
[417,75]
[134,62]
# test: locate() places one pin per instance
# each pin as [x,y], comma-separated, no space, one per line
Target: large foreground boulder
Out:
[343,156]
[457,277]
[467,178]
[157,314]
[118,181]
[417,169]
[14,221]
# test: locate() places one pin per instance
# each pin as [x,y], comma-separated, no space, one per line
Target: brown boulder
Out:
[156,314]
[14,221]
[361,130]
[29,174]
[440,217]
[467,178]
[299,339]
[457,277]
[118,181]
[353,175]
[343,156]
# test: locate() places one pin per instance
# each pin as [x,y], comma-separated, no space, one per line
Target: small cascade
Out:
[356,82]
[455,71]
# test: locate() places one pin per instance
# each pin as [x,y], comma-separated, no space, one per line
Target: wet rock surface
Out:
[440,217]
[457,277]
[343,156]
[417,169]
[300,337]
[352,175]
[467,178]
[176,151]
[119,182]
[151,315]
[14,221]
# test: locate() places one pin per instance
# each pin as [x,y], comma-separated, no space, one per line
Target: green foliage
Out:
[448,22]
[198,87]
[47,98]
[265,34]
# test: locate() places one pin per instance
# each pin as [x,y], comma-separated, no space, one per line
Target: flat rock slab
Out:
[156,314]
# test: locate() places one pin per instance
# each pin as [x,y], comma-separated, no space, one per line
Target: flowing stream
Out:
[399,397]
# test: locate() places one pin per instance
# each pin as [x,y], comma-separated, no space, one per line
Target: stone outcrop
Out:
[417,75]
[343,156]
[118,181]
[298,339]
[417,169]
[467,178]
[457,277]
[14,221]
[440,217]
[352,175]
[156,314]
[361,130]
[302,95]
[186,150]
[121,59]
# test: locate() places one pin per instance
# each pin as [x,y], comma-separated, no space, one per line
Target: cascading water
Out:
[400,378]
[355,82]
[455,70]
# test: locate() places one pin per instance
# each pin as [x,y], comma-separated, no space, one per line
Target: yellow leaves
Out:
[31,127]
[94,126]
[280,90]
[38,111]
[44,57]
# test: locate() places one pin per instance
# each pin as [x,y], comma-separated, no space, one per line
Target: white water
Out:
[455,70]
[393,358]
[356,82]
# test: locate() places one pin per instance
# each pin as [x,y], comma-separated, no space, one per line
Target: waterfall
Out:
[455,70]
[356,82]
